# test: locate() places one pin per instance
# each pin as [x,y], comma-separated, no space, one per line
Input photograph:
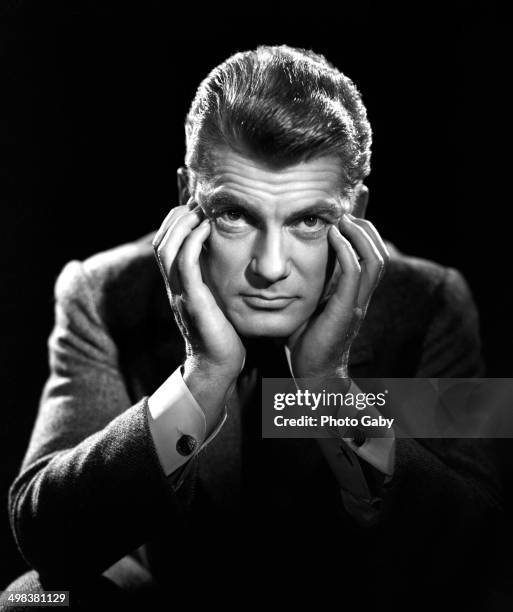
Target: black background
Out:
[92,133]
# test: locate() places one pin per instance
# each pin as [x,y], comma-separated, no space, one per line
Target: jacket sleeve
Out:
[445,496]
[91,488]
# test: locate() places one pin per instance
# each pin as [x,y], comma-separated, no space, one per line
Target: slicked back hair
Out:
[280,106]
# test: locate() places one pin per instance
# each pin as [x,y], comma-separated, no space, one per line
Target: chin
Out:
[266,325]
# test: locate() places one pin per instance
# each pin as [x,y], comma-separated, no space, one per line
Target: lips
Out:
[264,296]
[268,302]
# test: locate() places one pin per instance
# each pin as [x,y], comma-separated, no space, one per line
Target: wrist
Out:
[199,369]
[211,387]
[329,382]
[321,369]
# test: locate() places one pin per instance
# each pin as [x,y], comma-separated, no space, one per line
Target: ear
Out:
[361,201]
[183,186]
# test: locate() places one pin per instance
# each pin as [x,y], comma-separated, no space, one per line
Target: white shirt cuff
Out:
[379,452]
[173,413]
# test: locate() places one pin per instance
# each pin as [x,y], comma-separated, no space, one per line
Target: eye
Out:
[231,215]
[231,218]
[311,223]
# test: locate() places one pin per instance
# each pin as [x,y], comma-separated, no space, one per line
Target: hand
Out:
[320,347]
[215,353]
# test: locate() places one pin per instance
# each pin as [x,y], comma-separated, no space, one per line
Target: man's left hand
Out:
[320,347]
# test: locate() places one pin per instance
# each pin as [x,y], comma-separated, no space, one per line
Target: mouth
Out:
[260,301]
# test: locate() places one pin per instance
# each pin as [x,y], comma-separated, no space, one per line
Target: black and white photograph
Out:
[256,326]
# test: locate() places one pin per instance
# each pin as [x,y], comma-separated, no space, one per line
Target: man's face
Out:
[266,258]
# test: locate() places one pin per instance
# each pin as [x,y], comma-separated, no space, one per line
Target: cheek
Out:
[312,264]
[223,261]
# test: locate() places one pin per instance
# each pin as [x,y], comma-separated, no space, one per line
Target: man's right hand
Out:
[214,352]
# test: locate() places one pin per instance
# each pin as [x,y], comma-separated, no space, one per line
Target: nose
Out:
[270,260]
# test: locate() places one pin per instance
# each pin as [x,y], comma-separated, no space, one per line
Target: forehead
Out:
[297,185]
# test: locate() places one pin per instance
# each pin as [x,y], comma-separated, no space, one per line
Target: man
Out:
[146,468]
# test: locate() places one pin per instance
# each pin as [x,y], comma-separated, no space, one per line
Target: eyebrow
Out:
[226,200]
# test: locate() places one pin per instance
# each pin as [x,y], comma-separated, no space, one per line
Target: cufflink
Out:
[359,438]
[186,445]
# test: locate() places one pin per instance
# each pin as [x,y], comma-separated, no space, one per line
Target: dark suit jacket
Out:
[91,489]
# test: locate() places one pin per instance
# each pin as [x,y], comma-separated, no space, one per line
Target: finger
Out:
[378,240]
[176,307]
[164,226]
[169,247]
[361,201]
[175,294]
[174,237]
[371,260]
[200,311]
[332,282]
[188,260]
[171,217]
[345,295]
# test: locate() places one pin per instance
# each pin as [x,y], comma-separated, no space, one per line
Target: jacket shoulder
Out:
[415,297]
[411,281]
[126,285]
[412,273]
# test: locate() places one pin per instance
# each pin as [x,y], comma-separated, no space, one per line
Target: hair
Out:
[280,106]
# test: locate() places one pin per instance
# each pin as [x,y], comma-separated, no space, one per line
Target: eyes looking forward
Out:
[233,220]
